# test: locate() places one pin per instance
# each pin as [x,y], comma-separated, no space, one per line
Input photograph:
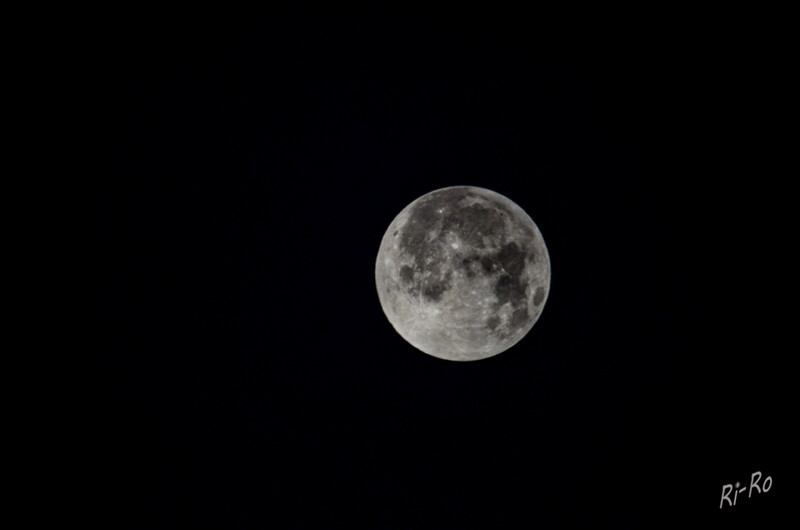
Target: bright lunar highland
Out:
[462,273]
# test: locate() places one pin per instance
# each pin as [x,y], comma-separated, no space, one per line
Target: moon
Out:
[462,273]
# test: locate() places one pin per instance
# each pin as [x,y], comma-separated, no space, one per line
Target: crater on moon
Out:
[462,273]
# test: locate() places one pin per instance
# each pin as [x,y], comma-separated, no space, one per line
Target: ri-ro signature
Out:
[735,489]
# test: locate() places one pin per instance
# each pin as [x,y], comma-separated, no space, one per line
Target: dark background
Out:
[245,176]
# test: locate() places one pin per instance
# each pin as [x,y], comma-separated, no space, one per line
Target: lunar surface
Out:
[462,273]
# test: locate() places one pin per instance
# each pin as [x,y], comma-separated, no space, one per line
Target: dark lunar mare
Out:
[424,220]
[482,228]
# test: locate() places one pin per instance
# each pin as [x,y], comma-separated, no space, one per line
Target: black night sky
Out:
[248,376]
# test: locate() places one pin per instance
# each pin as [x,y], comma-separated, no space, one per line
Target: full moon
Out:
[462,273]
